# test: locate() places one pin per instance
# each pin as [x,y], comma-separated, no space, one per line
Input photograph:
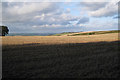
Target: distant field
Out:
[86,33]
[86,56]
[15,40]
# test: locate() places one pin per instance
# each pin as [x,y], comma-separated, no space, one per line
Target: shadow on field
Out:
[80,60]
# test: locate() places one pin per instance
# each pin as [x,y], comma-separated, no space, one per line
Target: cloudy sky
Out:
[56,17]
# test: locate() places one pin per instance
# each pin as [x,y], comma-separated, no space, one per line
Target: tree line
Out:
[4,30]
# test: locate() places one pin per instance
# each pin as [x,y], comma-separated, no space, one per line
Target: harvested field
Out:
[93,56]
[16,40]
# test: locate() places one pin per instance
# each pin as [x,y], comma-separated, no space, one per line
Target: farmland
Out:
[86,33]
[16,40]
[85,56]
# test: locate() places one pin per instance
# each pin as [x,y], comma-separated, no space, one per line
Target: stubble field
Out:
[91,56]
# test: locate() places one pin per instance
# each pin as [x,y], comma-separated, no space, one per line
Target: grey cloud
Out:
[93,5]
[49,15]
[101,9]
[83,20]
[105,13]
[10,15]
[116,17]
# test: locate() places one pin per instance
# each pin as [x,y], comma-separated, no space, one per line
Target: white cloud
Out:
[101,9]
[26,11]
[34,26]
[26,8]
[68,10]
[54,26]
[100,0]
[97,24]
[110,9]
[47,25]
[58,0]
[34,16]
[91,6]
[0,12]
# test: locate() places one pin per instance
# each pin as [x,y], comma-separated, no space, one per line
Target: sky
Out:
[59,16]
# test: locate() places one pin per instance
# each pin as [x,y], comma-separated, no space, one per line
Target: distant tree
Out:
[4,30]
